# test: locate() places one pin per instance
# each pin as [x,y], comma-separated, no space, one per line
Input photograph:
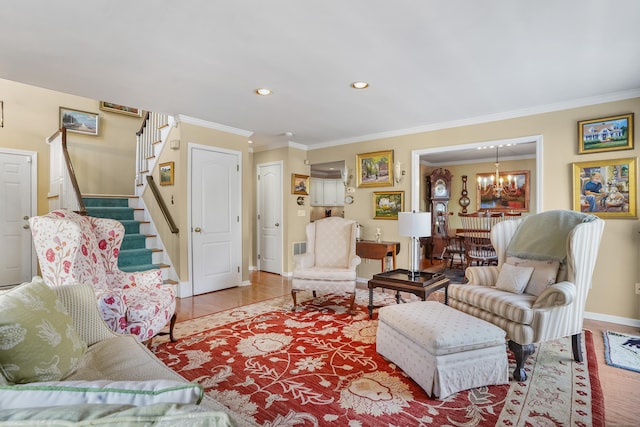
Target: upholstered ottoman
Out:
[442,349]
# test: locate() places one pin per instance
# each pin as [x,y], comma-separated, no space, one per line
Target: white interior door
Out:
[270,217]
[17,181]
[216,229]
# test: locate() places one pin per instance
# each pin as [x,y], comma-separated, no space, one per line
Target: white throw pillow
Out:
[138,393]
[544,273]
[513,279]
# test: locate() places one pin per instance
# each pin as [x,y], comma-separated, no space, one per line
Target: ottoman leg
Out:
[521,353]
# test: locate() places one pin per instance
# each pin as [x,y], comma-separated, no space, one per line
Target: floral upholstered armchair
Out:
[329,265]
[79,249]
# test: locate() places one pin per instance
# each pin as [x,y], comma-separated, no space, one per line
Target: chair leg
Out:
[172,323]
[352,301]
[521,352]
[295,302]
[576,346]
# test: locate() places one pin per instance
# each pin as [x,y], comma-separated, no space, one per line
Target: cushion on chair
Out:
[334,248]
[544,273]
[513,279]
[38,341]
[515,307]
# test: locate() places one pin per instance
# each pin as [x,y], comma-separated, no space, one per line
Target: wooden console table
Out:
[371,249]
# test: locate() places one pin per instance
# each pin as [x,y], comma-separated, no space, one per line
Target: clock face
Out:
[440,189]
[349,199]
[464,201]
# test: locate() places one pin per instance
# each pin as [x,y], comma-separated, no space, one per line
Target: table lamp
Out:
[414,225]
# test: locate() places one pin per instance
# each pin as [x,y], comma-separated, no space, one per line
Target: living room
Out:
[31,114]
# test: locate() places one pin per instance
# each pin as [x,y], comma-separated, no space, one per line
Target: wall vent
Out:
[299,248]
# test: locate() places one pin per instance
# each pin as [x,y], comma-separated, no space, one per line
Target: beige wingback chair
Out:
[562,248]
[329,265]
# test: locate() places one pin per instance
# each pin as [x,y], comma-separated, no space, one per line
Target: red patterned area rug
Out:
[319,366]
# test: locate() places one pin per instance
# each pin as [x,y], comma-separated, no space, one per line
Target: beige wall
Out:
[617,268]
[31,115]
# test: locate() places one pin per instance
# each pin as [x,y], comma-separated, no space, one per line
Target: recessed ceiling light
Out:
[263,91]
[359,85]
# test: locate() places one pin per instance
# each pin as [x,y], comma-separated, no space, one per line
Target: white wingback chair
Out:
[551,305]
[329,265]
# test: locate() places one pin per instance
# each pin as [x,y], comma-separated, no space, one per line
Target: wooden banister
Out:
[162,204]
[82,210]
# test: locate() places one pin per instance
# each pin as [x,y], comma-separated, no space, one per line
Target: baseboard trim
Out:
[612,319]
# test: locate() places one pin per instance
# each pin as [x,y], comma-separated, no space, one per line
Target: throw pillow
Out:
[513,279]
[544,273]
[38,341]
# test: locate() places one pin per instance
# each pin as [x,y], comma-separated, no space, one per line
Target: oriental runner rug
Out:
[319,366]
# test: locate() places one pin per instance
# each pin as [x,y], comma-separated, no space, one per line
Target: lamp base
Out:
[413,274]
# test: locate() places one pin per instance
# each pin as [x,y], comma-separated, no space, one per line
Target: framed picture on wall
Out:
[387,204]
[605,134]
[79,121]
[513,196]
[605,188]
[166,173]
[374,169]
[299,184]
[120,109]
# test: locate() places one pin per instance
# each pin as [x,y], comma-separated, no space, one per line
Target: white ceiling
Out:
[430,63]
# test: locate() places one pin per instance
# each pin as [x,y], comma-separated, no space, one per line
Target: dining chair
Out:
[476,230]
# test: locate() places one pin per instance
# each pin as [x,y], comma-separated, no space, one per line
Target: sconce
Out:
[398,172]
[346,177]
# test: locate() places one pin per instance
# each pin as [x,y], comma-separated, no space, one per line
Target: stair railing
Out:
[162,204]
[64,192]
[147,137]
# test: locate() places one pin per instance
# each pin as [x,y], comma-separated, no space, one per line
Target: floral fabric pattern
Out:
[79,249]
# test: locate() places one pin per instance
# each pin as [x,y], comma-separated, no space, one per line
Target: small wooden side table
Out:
[370,249]
[400,281]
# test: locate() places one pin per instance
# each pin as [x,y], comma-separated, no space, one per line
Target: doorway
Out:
[18,192]
[215,238]
[270,217]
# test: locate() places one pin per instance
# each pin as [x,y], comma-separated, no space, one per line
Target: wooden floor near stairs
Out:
[620,387]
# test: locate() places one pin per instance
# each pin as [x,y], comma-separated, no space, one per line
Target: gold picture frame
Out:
[605,134]
[374,169]
[387,204]
[167,173]
[299,184]
[120,109]
[615,197]
[514,197]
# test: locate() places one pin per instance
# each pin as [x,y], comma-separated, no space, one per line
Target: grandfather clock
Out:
[440,193]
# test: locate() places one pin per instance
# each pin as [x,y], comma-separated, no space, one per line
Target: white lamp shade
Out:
[414,224]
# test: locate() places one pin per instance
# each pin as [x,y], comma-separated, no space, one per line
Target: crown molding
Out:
[212,125]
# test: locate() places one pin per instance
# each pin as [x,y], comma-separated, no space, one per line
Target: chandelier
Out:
[494,185]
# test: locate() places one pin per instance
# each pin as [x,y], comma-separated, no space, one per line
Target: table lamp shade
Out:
[414,224]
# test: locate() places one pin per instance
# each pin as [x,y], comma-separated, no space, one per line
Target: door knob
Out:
[26,226]
[277,224]
[26,217]
[197,229]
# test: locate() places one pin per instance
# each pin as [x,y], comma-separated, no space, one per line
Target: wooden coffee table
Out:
[400,281]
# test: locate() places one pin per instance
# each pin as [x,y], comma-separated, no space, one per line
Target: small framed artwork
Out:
[1,114]
[120,109]
[513,196]
[606,188]
[79,121]
[375,169]
[387,204]
[299,184]
[605,134]
[166,173]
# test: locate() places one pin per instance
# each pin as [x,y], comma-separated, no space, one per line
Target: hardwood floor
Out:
[620,387]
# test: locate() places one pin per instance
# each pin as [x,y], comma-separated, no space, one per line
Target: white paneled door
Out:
[270,217]
[216,228]
[17,204]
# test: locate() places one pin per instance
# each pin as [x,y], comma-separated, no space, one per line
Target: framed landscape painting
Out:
[387,204]
[605,134]
[79,121]
[514,196]
[605,188]
[166,173]
[120,109]
[375,169]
